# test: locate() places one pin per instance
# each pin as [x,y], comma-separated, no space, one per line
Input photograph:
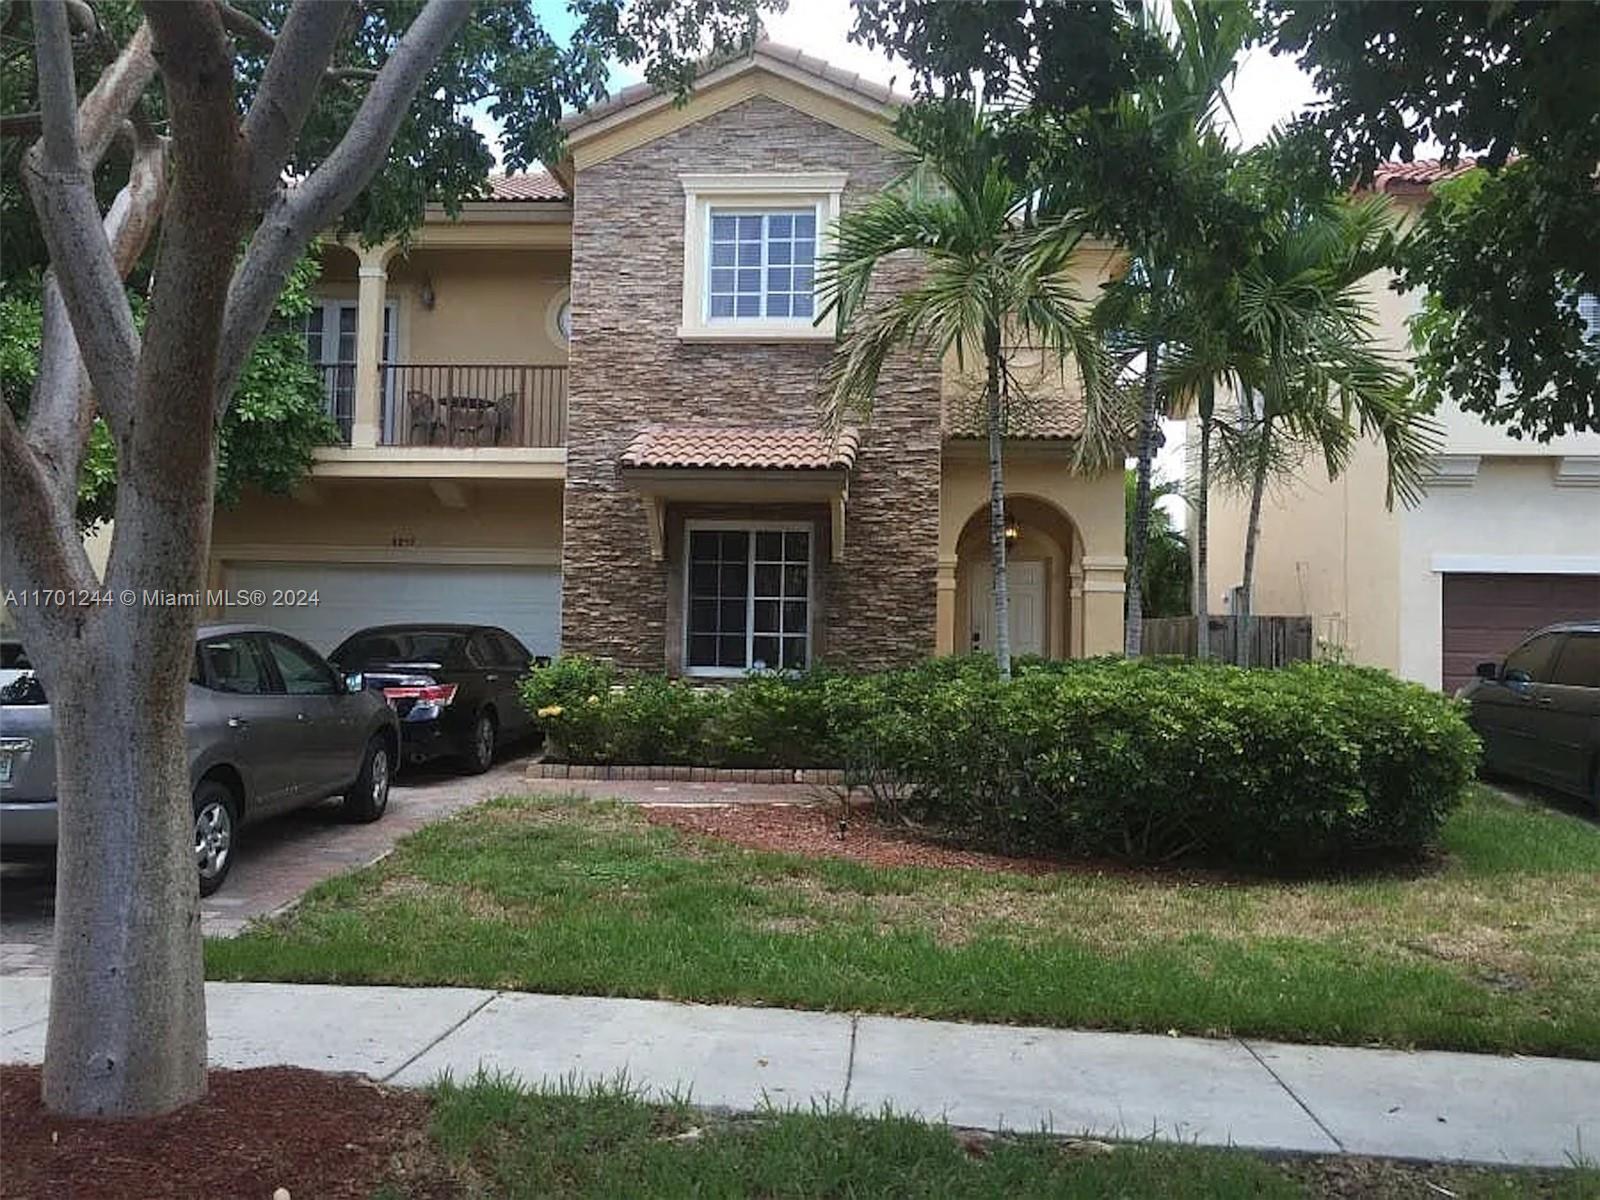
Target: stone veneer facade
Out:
[629,369]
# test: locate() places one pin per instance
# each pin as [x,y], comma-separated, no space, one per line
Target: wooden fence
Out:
[1274,641]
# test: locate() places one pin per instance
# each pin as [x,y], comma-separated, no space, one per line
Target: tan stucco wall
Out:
[396,521]
[493,306]
[1327,550]
[490,306]
[1093,505]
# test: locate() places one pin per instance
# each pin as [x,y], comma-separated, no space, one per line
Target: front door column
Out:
[367,422]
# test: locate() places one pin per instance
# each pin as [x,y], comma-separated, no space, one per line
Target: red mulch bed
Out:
[813,830]
[323,1137]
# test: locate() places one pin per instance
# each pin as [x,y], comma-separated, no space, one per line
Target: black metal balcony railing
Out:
[339,394]
[473,404]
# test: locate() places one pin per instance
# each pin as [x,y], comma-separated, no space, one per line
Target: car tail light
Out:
[425,693]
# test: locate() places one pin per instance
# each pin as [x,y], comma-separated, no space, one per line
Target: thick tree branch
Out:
[114,95]
[51,556]
[62,410]
[166,465]
[297,217]
[242,24]
[60,181]
[288,89]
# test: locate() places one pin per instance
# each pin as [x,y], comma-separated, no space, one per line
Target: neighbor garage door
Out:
[1486,615]
[525,600]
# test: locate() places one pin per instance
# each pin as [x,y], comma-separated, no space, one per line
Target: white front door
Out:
[1025,580]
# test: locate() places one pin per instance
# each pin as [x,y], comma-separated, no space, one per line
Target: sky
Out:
[1266,91]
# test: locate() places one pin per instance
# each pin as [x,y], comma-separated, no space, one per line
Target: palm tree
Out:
[1153,169]
[993,261]
[1165,580]
[1310,375]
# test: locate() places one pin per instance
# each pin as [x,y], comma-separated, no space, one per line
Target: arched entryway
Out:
[1044,564]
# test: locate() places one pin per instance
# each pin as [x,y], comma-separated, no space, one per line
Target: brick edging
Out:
[664,774]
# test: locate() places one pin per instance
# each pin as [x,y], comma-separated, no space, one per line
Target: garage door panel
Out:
[1485,616]
[524,600]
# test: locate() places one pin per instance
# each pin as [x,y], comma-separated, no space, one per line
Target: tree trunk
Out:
[1149,430]
[1202,544]
[127,1033]
[997,504]
[1258,486]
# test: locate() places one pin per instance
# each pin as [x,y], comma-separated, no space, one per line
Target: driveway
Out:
[277,861]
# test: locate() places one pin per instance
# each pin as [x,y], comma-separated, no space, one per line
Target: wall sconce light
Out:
[1013,529]
[428,298]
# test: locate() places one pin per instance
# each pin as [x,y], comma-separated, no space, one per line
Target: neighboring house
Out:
[586,410]
[1507,538]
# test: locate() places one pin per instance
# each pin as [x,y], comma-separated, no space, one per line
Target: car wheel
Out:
[216,820]
[368,797]
[479,756]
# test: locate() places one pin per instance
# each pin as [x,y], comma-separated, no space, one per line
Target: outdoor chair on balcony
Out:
[505,418]
[423,425]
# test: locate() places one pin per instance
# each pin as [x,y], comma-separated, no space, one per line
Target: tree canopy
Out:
[1505,254]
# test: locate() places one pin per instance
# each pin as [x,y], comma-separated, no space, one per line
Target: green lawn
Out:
[1497,949]
[500,1141]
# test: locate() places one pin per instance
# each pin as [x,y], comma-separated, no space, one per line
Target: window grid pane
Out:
[762,265]
[748,599]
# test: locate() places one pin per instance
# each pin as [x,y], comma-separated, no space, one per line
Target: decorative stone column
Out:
[373,275]
[944,638]
[1075,611]
[1103,603]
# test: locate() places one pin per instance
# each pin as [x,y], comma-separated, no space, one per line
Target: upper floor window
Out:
[762,264]
[751,246]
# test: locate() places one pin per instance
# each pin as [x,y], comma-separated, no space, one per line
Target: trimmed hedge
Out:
[1146,760]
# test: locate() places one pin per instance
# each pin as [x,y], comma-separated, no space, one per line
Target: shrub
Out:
[1309,765]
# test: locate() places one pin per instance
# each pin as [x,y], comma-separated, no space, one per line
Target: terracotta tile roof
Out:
[525,185]
[1053,415]
[742,448]
[763,48]
[1416,176]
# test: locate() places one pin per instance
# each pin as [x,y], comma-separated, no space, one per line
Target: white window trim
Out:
[822,190]
[752,527]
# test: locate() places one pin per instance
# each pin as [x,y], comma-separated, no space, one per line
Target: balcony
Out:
[473,404]
[447,420]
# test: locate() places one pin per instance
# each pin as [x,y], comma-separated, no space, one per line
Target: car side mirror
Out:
[1488,670]
[355,682]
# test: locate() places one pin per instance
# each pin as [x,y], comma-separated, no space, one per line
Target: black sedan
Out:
[454,687]
[1538,712]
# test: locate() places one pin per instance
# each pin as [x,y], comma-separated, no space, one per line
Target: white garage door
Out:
[525,600]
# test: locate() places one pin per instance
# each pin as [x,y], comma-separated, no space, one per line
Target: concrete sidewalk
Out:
[1263,1095]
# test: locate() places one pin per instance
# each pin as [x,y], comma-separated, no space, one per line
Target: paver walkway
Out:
[1263,1095]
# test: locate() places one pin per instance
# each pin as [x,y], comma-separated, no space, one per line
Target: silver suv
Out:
[270,726]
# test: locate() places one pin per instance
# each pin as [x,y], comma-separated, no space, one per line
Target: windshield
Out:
[400,645]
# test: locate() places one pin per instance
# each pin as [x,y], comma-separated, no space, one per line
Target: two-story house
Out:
[1506,539]
[586,410]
